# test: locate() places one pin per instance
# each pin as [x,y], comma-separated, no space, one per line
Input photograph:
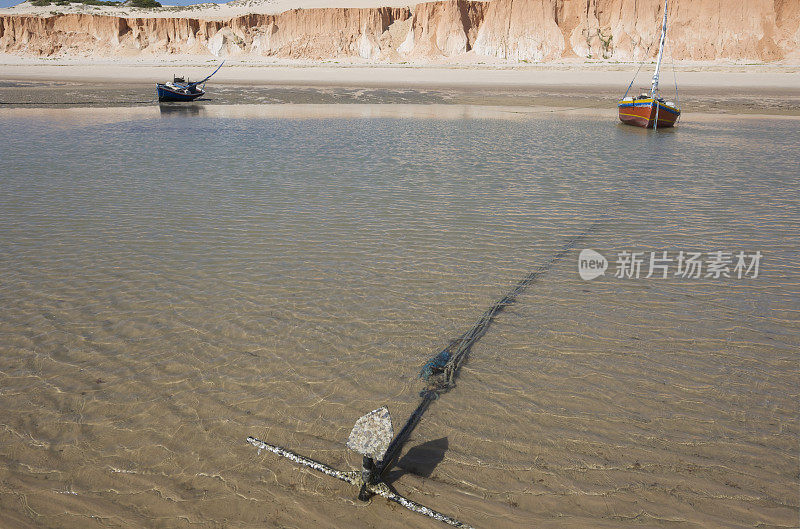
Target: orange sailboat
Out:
[650,110]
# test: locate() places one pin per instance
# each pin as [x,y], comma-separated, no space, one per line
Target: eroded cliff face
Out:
[300,34]
[516,30]
[447,29]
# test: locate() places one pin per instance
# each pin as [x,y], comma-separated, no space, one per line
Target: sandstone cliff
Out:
[447,30]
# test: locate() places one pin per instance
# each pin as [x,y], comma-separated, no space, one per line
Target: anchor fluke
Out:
[371,437]
[372,434]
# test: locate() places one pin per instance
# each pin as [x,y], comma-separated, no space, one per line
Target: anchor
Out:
[373,436]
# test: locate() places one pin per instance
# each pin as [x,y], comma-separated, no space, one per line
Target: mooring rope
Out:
[439,373]
[442,369]
[94,104]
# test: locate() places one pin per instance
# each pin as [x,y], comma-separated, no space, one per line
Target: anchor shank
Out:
[368,477]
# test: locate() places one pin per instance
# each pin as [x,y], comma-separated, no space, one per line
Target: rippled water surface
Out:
[174,281]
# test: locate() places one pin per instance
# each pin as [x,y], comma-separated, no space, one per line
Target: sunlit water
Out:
[173,282]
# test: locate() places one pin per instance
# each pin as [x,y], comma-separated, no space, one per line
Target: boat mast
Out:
[654,89]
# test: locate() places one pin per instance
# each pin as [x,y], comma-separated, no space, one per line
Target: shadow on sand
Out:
[420,460]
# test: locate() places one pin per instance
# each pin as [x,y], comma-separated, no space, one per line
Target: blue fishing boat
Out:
[180,89]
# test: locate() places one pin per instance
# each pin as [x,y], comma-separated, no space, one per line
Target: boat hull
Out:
[167,94]
[645,112]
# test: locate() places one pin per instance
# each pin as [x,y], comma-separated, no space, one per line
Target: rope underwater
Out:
[372,434]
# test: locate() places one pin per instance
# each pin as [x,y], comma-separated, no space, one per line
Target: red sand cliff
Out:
[531,30]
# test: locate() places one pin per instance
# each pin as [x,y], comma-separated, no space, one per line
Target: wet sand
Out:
[719,88]
[33,93]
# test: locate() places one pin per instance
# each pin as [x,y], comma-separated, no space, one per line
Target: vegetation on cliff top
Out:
[129,3]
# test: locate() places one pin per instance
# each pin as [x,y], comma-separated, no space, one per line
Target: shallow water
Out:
[174,281]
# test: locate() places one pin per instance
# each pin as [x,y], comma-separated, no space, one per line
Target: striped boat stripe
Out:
[660,106]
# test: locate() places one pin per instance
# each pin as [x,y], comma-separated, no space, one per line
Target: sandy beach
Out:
[716,88]
[720,76]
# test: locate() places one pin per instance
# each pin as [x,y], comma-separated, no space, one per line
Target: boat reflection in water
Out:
[173,110]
